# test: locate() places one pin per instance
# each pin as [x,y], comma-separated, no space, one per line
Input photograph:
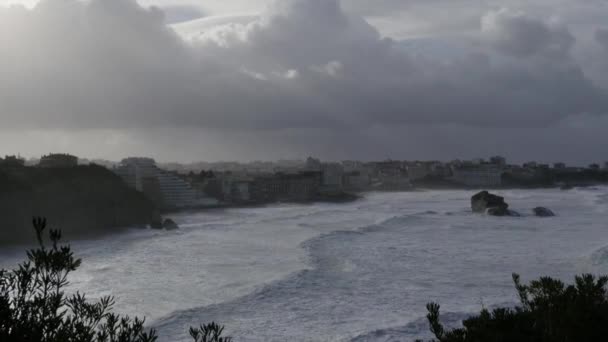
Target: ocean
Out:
[361,271]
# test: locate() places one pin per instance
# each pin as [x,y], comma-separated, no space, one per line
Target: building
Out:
[606,166]
[166,189]
[356,176]
[559,165]
[303,186]
[439,170]
[332,176]
[498,160]
[230,187]
[240,191]
[57,160]
[390,175]
[455,162]
[394,180]
[485,175]
[313,164]
[594,167]
[357,180]
[176,192]
[353,165]
[518,176]
[417,171]
[212,187]
[531,164]
[134,171]
[387,166]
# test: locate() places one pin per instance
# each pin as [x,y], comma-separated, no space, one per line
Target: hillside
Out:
[83,201]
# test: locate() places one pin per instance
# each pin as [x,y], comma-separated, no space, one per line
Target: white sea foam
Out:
[338,272]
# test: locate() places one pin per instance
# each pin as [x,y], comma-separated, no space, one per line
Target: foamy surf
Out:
[361,271]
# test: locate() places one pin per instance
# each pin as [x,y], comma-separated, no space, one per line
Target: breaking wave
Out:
[362,271]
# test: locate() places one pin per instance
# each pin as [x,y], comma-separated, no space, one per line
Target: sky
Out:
[186,80]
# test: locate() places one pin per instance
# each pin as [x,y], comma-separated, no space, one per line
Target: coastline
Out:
[343,199]
[349,197]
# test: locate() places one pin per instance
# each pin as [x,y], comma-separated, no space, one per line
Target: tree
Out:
[549,311]
[35,308]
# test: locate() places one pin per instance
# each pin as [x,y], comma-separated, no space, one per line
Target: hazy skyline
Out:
[234,79]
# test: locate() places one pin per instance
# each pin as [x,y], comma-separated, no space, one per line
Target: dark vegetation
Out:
[35,308]
[211,332]
[83,200]
[549,311]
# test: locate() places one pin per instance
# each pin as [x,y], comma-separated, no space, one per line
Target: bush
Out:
[35,308]
[549,311]
[209,333]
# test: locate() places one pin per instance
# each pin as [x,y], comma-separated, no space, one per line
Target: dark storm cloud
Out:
[601,36]
[524,36]
[303,64]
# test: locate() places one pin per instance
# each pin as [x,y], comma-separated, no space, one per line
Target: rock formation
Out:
[543,212]
[482,201]
[485,202]
[169,224]
[500,211]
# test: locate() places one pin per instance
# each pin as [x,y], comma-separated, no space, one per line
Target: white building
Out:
[176,192]
[143,175]
[134,170]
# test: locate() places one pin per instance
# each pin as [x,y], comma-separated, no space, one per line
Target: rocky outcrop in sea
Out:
[543,212]
[485,202]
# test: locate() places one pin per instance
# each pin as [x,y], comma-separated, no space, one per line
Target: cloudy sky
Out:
[185,80]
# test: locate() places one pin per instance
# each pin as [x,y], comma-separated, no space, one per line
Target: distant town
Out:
[209,185]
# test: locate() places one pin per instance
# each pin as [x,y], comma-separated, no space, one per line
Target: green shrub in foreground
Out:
[35,308]
[549,311]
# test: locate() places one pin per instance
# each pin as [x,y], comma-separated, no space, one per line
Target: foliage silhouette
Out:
[549,311]
[35,308]
[211,332]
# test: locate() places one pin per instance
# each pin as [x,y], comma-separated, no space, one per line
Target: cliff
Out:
[82,201]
